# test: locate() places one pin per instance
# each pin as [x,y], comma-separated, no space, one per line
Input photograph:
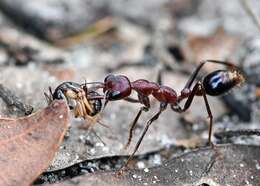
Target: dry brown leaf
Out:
[28,144]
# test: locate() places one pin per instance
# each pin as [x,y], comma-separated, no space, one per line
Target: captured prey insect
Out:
[119,87]
[76,96]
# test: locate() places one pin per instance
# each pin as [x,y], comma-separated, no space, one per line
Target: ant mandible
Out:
[118,87]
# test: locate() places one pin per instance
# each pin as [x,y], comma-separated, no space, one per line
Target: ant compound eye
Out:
[114,95]
[58,94]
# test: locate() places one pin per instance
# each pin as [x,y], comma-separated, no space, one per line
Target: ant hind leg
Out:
[209,115]
[198,89]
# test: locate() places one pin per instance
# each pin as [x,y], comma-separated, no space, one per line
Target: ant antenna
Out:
[49,97]
[103,125]
[99,85]
[94,82]
[84,86]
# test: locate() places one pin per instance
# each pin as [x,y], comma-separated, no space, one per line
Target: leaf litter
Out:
[28,144]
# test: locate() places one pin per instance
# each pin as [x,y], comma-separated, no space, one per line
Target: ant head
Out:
[117,87]
[66,90]
[221,81]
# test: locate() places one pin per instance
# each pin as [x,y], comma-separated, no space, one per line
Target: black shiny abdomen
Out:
[219,82]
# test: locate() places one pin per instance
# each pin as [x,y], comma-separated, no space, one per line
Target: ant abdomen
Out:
[221,81]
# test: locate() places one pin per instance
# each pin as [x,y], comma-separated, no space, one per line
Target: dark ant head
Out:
[116,87]
[66,90]
[221,81]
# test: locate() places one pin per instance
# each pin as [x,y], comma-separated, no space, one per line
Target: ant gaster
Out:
[118,87]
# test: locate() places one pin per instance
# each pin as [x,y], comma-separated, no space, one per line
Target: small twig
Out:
[237,133]
[250,12]
[12,100]
[210,164]
[216,156]
[98,28]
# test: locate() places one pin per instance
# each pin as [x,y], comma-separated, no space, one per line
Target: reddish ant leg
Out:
[214,84]
[163,106]
[133,126]
[146,102]
[131,100]
[128,99]
[198,88]
[209,115]
[195,73]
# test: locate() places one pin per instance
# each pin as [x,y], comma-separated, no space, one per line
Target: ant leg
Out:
[190,95]
[209,114]
[50,90]
[159,76]
[195,73]
[78,110]
[131,100]
[84,107]
[89,128]
[48,97]
[98,137]
[105,101]
[163,106]
[86,104]
[133,125]
[95,98]
[146,102]
[198,88]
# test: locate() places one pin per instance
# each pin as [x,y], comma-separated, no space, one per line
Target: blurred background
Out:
[46,42]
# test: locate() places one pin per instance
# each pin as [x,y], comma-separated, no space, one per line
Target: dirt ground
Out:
[46,42]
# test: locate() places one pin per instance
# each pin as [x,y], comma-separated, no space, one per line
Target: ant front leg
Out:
[163,106]
[131,100]
[146,102]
